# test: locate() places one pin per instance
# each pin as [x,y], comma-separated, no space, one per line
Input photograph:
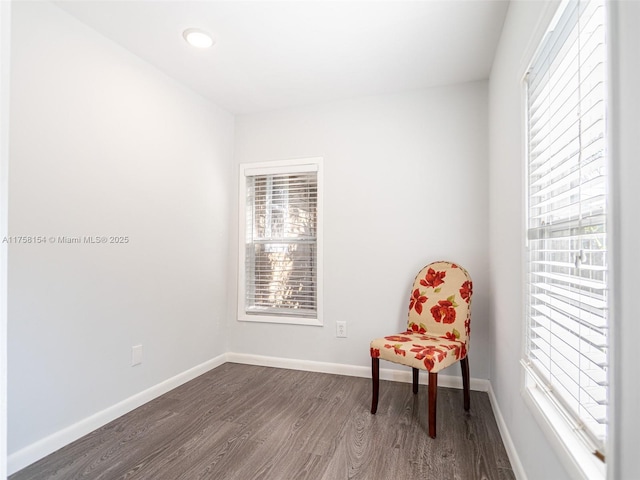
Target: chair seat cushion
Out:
[420,350]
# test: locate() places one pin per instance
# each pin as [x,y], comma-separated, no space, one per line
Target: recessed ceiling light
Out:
[197,38]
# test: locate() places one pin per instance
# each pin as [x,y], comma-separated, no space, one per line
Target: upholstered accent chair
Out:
[437,332]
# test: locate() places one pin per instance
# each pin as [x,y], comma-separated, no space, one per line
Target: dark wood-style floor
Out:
[241,422]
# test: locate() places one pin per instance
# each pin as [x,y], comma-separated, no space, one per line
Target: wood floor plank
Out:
[242,422]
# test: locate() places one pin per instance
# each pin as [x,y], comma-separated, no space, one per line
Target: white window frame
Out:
[278,167]
[576,454]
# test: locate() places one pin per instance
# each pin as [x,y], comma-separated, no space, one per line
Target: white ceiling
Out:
[278,54]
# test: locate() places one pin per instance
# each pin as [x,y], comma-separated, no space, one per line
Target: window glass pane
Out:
[567,301]
[281,244]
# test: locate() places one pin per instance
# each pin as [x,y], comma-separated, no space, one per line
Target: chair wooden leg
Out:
[433,395]
[464,365]
[415,380]
[375,377]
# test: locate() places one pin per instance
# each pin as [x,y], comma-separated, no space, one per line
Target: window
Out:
[567,266]
[280,231]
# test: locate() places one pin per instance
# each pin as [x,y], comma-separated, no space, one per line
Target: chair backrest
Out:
[440,303]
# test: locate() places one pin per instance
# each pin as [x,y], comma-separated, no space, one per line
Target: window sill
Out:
[283,320]
[575,456]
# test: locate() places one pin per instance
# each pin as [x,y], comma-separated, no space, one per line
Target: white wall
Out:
[506,223]
[405,184]
[5,39]
[506,240]
[104,144]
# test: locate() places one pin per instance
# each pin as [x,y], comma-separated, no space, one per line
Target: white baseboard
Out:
[352,370]
[40,449]
[516,465]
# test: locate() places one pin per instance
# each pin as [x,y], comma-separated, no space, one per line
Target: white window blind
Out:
[281,242]
[567,293]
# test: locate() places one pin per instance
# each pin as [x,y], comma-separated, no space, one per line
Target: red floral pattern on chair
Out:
[417,299]
[433,279]
[417,328]
[445,311]
[466,290]
[433,342]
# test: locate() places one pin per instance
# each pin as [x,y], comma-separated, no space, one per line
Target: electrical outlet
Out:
[136,355]
[341,329]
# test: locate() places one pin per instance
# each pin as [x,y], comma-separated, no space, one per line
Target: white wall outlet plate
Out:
[136,355]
